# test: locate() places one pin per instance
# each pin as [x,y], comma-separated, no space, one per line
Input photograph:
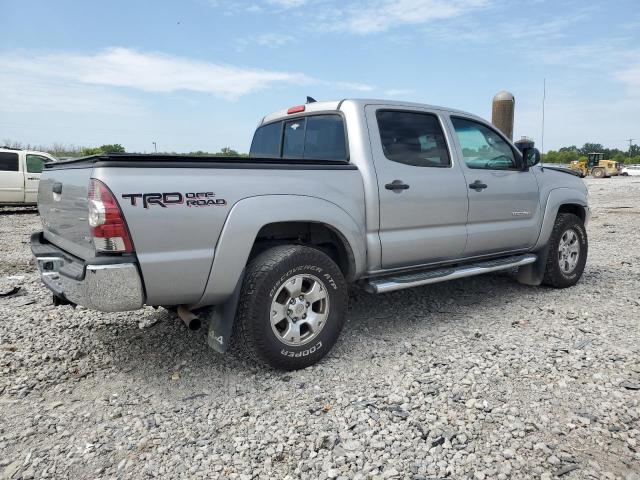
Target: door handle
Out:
[396,186]
[478,186]
[57,188]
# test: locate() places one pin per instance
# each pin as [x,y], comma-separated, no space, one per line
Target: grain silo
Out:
[502,112]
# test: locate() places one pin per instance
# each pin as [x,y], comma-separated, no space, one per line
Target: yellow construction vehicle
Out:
[596,166]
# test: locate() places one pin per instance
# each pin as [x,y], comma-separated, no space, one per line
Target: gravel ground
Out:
[479,378]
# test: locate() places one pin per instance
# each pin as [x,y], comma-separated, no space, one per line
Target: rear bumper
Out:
[108,284]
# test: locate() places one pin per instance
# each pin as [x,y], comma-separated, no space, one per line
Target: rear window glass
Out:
[8,162]
[293,142]
[325,138]
[266,141]
[314,137]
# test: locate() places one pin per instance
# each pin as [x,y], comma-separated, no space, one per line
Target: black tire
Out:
[597,173]
[554,274]
[265,276]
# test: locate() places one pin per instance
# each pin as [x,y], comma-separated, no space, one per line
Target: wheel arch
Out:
[561,200]
[257,222]
[315,234]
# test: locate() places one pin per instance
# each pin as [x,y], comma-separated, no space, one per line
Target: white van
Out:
[20,175]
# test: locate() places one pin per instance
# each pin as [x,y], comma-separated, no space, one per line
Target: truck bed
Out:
[175,241]
[149,160]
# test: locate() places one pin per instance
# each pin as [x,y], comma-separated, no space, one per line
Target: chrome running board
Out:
[414,279]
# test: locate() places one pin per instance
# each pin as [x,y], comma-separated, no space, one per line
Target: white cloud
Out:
[382,15]
[354,86]
[99,82]
[24,92]
[287,3]
[151,72]
[272,40]
[630,76]
[398,92]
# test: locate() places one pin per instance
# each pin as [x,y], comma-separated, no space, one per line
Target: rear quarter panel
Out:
[175,245]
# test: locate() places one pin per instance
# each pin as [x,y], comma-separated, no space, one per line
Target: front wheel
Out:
[292,307]
[568,248]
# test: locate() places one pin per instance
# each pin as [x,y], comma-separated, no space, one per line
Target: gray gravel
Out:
[480,378]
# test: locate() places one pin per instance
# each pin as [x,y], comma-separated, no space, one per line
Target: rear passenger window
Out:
[9,162]
[266,141]
[413,138]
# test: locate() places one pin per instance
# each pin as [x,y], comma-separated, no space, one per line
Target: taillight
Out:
[296,109]
[108,227]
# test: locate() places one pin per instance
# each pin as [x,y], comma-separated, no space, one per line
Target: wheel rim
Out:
[568,251]
[299,310]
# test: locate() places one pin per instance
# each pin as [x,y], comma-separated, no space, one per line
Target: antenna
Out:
[544,98]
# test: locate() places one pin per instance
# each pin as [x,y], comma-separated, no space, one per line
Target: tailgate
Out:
[62,203]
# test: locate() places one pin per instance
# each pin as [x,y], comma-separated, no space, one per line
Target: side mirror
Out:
[530,157]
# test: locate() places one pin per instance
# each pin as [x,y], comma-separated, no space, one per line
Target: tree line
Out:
[563,155]
[572,153]
[59,150]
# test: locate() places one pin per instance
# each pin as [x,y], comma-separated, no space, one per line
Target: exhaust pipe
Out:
[190,319]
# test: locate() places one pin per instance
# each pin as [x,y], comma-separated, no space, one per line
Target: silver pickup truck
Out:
[372,194]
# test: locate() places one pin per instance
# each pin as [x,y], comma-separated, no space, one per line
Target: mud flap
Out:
[533,273]
[221,320]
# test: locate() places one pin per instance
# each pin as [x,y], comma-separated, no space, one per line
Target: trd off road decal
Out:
[191,199]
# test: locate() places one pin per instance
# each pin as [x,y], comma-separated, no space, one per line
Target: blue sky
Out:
[199,74]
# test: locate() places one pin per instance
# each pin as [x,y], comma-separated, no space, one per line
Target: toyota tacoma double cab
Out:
[378,195]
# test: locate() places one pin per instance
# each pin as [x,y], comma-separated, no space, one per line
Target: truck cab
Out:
[20,175]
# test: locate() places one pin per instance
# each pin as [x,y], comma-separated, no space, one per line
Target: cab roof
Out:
[335,105]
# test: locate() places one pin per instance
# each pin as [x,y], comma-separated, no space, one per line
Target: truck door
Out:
[11,178]
[504,205]
[422,191]
[33,167]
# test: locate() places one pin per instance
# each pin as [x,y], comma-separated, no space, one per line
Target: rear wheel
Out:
[292,307]
[568,248]
[597,172]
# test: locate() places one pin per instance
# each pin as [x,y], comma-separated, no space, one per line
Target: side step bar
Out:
[414,279]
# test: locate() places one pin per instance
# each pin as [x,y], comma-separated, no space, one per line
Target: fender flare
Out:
[249,215]
[558,197]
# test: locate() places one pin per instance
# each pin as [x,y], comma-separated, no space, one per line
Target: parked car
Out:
[20,175]
[632,170]
[366,194]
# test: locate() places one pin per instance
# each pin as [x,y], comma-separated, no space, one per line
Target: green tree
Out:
[108,148]
[591,148]
[619,157]
[112,148]
[551,157]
